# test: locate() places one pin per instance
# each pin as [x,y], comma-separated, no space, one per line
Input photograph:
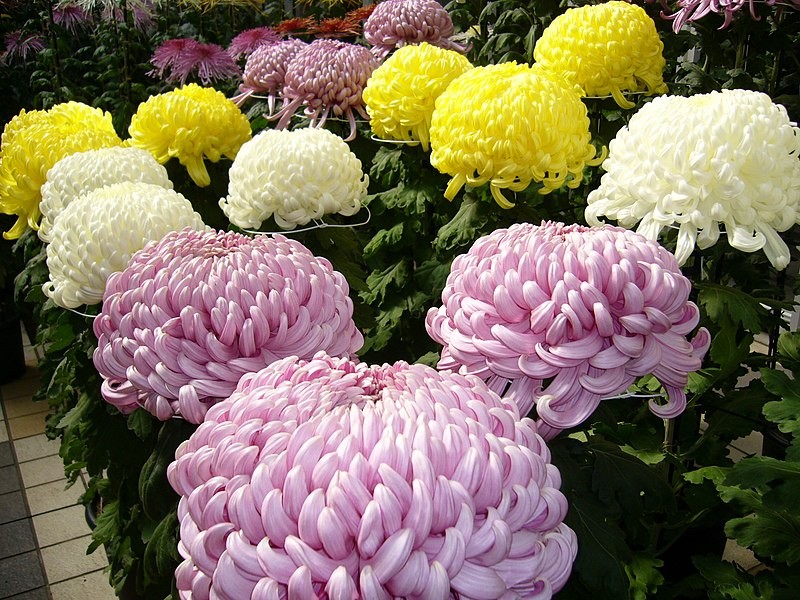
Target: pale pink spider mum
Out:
[176,60]
[265,71]
[336,480]
[588,309]
[195,311]
[327,77]
[396,23]
[246,42]
[689,11]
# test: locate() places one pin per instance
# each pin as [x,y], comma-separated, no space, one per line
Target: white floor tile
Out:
[41,470]
[69,559]
[53,496]
[93,586]
[36,446]
[60,525]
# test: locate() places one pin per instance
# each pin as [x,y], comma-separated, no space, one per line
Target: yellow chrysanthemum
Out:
[606,49]
[33,142]
[400,94]
[190,124]
[508,125]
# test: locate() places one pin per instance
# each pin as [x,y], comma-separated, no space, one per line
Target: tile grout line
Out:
[22,490]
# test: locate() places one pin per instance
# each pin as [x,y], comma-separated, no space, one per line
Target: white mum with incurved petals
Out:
[97,234]
[82,172]
[294,176]
[728,158]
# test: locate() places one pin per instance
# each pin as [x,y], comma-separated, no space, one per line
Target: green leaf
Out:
[107,525]
[722,301]
[141,423]
[463,227]
[644,576]
[379,282]
[387,167]
[161,553]
[789,345]
[384,238]
[769,533]
[757,471]
[77,414]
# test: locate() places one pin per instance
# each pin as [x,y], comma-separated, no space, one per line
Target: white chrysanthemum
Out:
[97,234]
[728,157]
[294,176]
[82,172]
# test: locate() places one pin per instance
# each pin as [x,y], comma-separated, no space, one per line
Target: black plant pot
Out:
[12,353]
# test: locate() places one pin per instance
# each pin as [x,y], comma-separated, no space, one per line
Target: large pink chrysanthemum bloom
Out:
[195,311]
[249,40]
[396,23]
[265,70]
[327,77]
[588,309]
[335,480]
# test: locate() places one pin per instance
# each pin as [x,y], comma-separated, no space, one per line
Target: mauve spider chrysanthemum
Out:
[338,480]
[396,23]
[177,60]
[194,311]
[689,11]
[587,310]
[246,42]
[265,71]
[19,45]
[327,77]
[71,17]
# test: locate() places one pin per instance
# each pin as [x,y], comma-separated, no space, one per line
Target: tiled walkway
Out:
[43,531]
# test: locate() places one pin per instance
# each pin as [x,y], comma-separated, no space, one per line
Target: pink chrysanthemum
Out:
[337,480]
[689,11]
[195,311]
[71,17]
[587,309]
[177,59]
[396,23]
[246,42]
[265,71]
[19,45]
[327,77]
[143,13]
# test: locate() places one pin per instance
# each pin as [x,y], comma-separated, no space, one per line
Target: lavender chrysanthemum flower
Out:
[334,479]
[693,10]
[396,23]
[265,71]
[19,45]
[246,42]
[71,17]
[327,77]
[177,59]
[195,311]
[588,309]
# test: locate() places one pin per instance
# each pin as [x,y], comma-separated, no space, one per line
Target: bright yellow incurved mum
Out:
[190,124]
[606,49]
[508,125]
[400,94]
[35,141]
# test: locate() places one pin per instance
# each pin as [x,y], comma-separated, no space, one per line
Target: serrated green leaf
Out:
[714,474]
[161,552]
[77,413]
[106,526]
[722,301]
[789,345]
[644,576]
[387,167]
[757,471]
[383,239]
[462,228]
[379,282]
[769,533]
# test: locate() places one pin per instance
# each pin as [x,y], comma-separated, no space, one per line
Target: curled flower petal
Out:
[509,125]
[740,173]
[401,93]
[294,176]
[606,49]
[83,172]
[229,305]
[95,236]
[191,124]
[35,141]
[466,544]
[609,306]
